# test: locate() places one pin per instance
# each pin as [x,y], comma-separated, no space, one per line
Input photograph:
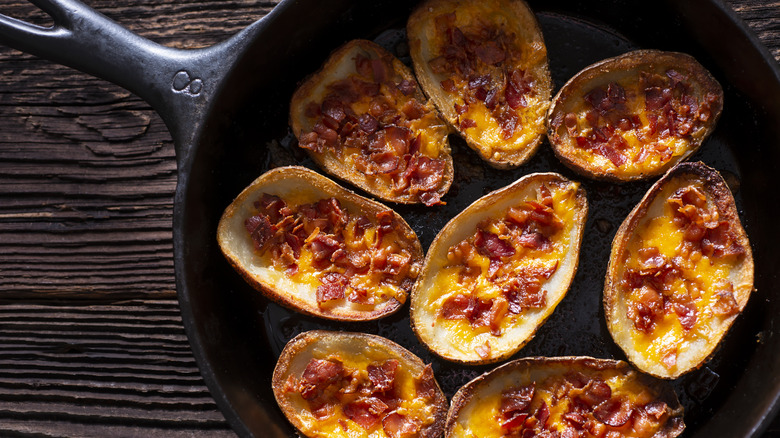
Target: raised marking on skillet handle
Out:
[183,82]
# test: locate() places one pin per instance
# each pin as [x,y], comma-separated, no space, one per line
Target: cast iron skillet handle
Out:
[177,83]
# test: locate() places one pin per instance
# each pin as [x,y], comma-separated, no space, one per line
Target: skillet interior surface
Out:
[237,335]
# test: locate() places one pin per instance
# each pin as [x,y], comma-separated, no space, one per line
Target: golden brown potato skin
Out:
[741,274]
[518,20]
[322,343]
[341,65]
[629,68]
[534,370]
[494,205]
[237,247]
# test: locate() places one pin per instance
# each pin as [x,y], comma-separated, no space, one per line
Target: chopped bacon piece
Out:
[492,246]
[725,304]
[514,405]
[365,411]
[425,384]
[382,376]
[407,87]
[655,409]
[323,246]
[396,425]
[686,311]
[332,288]
[467,123]
[318,375]
[448,85]
[260,229]
[646,307]
[368,123]
[614,412]
[594,393]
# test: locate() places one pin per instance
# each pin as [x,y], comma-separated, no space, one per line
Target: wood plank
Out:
[123,369]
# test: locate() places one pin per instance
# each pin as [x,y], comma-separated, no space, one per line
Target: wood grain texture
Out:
[91,341]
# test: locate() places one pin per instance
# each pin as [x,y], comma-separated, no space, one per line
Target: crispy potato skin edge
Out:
[673,427]
[306,339]
[415,27]
[724,201]
[330,164]
[631,60]
[296,173]
[445,235]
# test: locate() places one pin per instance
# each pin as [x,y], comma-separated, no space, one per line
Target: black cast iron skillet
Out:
[226,107]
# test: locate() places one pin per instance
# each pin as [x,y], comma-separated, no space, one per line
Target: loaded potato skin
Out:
[497,270]
[340,384]
[362,118]
[484,65]
[564,397]
[311,245]
[634,116]
[680,272]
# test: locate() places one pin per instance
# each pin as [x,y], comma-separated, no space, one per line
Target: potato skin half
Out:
[625,66]
[741,274]
[339,65]
[238,248]
[421,33]
[524,372]
[302,348]
[494,204]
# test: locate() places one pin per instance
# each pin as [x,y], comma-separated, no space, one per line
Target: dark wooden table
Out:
[91,340]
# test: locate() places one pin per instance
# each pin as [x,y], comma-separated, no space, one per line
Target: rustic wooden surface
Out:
[91,340]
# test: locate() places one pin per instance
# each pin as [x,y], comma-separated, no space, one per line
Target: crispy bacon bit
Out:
[379,140]
[425,384]
[332,287]
[318,375]
[467,123]
[614,412]
[645,308]
[655,409]
[320,229]
[365,411]
[594,393]
[260,230]
[491,246]
[382,377]
[483,350]
[725,304]
[396,425]
[514,406]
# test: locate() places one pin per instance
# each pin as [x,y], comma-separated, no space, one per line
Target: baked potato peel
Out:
[484,65]
[498,269]
[634,116]
[680,272]
[564,397]
[362,118]
[340,384]
[317,248]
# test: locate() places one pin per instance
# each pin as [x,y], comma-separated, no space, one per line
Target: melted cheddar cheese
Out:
[460,334]
[555,395]
[701,278]
[376,287]
[486,125]
[337,424]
